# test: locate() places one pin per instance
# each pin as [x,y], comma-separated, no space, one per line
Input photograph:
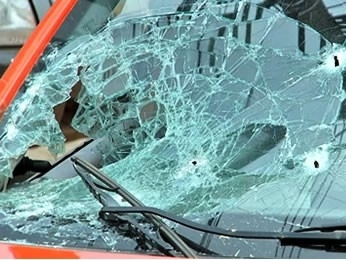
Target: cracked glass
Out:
[204,106]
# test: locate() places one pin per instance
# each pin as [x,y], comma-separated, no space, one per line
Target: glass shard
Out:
[199,108]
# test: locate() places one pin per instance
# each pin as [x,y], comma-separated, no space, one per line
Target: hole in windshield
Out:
[336,61]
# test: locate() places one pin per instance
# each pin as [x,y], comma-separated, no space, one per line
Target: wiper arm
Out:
[105,199]
[107,183]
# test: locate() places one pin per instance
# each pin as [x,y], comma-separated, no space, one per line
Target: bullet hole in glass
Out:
[336,61]
[316,164]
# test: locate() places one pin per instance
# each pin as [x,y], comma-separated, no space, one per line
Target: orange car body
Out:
[17,251]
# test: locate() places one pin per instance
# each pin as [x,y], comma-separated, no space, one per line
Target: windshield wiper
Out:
[105,199]
[340,246]
[328,239]
[298,238]
[331,228]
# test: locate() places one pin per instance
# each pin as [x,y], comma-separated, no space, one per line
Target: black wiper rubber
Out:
[322,229]
[286,238]
[172,237]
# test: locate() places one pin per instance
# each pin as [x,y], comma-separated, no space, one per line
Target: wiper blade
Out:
[172,237]
[328,241]
[286,238]
[331,228]
[338,230]
[301,238]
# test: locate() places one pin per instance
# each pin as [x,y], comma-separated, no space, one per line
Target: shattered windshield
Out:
[204,106]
